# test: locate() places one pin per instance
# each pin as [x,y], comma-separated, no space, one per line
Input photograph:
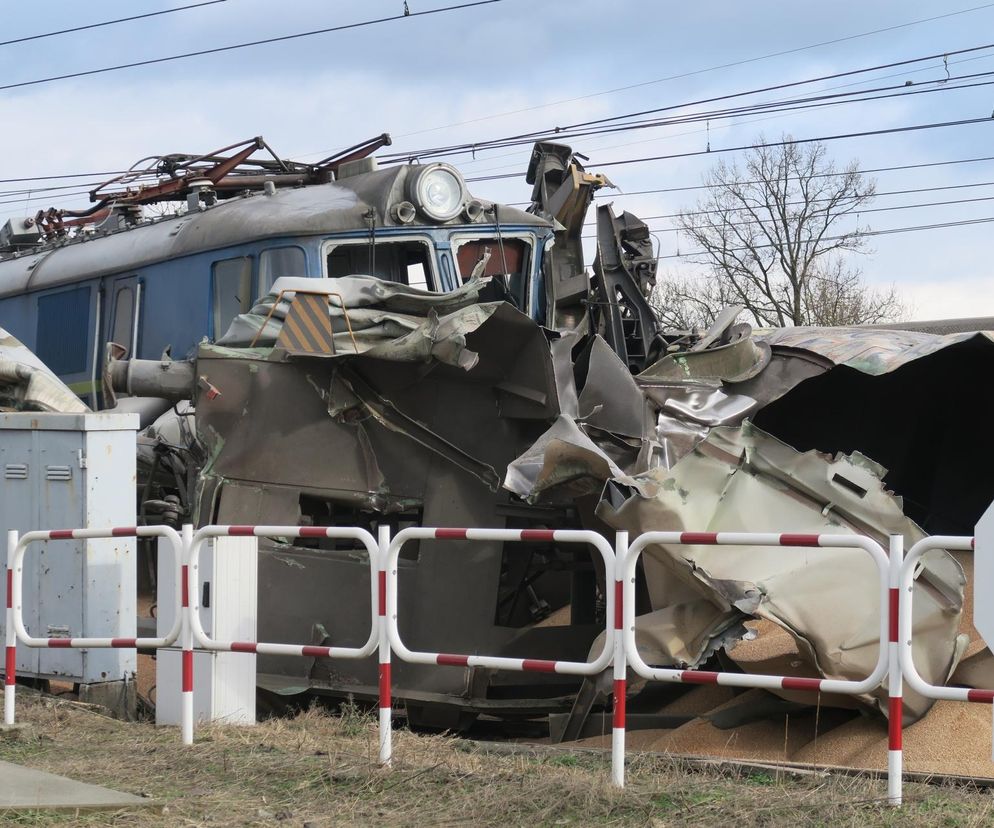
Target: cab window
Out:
[508,259]
[275,262]
[231,292]
[406,262]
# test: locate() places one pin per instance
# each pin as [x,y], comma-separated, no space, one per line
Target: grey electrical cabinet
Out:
[69,471]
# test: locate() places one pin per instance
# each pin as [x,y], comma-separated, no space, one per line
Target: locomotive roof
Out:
[318,209]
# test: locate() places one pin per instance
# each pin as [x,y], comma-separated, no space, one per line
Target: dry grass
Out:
[320,770]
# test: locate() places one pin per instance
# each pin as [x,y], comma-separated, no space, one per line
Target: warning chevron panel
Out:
[307,328]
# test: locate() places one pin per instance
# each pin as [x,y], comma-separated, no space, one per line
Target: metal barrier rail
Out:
[577,668]
[888,613]
[266,648]
[896,581]
[16,549]
[911,674]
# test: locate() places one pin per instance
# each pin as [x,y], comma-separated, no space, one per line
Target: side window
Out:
[231,286]
[124,308]
[405,262]
[280,261]
[63,330]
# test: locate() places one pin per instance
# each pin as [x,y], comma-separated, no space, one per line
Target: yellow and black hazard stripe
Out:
[307,327]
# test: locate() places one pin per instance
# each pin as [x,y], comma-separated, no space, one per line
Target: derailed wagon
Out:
[525,393]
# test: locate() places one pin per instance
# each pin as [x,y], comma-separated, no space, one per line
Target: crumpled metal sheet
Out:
[869,350]
[378,318]
[26,383]
[741,479]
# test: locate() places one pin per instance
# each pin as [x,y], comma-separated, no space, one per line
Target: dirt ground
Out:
[320,769]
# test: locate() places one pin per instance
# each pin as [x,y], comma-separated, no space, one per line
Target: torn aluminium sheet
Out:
[741,479]
[26,383]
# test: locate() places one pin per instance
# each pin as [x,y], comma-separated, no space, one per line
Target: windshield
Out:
[506,258]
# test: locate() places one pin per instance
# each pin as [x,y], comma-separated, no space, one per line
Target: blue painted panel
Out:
[63,328]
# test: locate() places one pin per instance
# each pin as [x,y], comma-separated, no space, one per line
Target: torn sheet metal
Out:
[26,383]
[743,480]
[365,313]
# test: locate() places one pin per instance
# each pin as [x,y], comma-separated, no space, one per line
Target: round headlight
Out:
[439,191]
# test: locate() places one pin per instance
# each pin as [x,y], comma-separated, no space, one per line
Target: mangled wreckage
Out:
[360,401]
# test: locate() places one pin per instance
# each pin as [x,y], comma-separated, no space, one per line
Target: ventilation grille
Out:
[58,472]
[15,471]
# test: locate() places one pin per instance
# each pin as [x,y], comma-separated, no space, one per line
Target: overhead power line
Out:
[797,105]
[858,196]
[852,213]
[470,147]
[682,75]
[109,22]
[696,153]
[233,47]
[794,178]
[885,232]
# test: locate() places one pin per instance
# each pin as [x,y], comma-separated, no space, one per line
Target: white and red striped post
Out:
[10,667]
[186,636]
[620,662]
[385,701]
[895,676]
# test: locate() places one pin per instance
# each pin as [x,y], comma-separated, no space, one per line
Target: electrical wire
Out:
[800,105]
[822,200]
[790,142]
[233,47]
[694,72]
[860,211]
[470,147]
[793,178]
[885,232]
[109,22]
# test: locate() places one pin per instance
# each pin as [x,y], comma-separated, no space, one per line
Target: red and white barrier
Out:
[385,701]
[16,548]
[871,547]
[576,668]
[896,576]
[911,674]
[264,648]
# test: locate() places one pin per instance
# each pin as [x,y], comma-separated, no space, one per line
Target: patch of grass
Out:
[321,769]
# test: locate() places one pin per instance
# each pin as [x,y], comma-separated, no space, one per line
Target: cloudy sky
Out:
[478,73]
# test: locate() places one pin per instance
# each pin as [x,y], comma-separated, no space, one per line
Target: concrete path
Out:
[26,789]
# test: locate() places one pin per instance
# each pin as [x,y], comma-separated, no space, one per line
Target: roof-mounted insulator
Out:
[200,194]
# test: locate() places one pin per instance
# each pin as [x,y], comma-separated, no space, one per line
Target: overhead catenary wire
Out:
[784,143]
[104,23]
[246,45]
[855,197]
[518,152]
[692,73]
[884,232]
[850,213]
[691,187]
[799,105]
[476,146]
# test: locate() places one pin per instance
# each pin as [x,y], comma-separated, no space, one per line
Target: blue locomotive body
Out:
[170,282]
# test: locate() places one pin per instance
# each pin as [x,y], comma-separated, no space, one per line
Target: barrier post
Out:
[186,699]
[10,667]
[895,676]
[385,702]
[620,663]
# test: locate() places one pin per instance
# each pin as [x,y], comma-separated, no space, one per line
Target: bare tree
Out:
[773,236]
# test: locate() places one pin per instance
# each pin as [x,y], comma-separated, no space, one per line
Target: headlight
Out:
[438,190]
